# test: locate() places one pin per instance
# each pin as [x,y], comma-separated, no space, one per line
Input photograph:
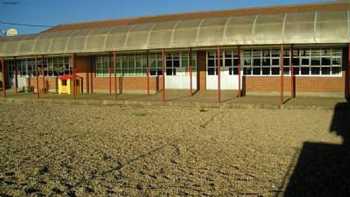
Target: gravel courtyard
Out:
[90,150]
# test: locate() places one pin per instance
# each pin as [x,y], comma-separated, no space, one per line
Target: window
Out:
[102,65]
[155,64]
[50,66]
[313,62]
[178,62]
[64,82]
[126,65]
[229,62]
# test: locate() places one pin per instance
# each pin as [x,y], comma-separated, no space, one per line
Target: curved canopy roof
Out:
[277,28]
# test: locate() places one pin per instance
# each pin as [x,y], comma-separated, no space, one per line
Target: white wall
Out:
[181,81]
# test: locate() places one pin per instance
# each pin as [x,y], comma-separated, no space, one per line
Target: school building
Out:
[288,50]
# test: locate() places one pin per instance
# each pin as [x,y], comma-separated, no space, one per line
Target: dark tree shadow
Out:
[324,169]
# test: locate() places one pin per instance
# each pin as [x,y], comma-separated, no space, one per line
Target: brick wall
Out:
[125,84]
[303,84]
[50,83]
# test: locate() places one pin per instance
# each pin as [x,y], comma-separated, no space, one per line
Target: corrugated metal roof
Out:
[325,23]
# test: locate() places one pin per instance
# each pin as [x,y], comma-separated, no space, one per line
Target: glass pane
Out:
[256,62]
[286,61]
[247,71]
[265,71]
[256,71]
[336,61]
[266,62]
[275,62]
[326,61]
[305,70]
[326,70]
[315,61]
[315,70]
[305,61]
[275,71]
[228,62]
[336,70]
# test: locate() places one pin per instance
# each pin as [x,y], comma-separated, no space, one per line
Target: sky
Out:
[54,12]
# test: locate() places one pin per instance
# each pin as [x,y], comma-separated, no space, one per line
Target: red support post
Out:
[281,74]
[292,73]
[43,72]
[218,65]
[16,73]
[110,78]
[239,72]
[114,62]
[73,75]
[92,75]
[37,77]
[148,74]
[3,77]
[87,83]
[163,73]
[190,70]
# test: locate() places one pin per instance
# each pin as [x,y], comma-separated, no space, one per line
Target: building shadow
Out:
[324,169]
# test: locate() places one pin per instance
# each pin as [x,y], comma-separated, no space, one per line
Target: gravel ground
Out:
[81,150]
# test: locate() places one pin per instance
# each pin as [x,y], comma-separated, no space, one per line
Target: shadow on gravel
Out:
[324,169]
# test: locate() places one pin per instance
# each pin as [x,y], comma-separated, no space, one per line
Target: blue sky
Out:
[53,12]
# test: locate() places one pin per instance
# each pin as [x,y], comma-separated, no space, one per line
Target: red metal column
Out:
[87,76]
[218,65]
[43,73]
[16,73]
[37,77]
[3,78]
[73,75]
[92,75]
[292,74]
[239,72]
[110,78]
[87,83]
[148,73]
[281,74]
[163,73]
[114,62]
[190,69]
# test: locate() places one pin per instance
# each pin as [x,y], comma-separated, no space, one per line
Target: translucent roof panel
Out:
[76,42]
[285,28]
[332,27]
[96,39]
[185,33]
[268,29]
[59,42]
[239,30]
[161,34]
[42,45]
[211,31]
[10,47]
[116,38]
[26,46]
[137,37]
[299,28]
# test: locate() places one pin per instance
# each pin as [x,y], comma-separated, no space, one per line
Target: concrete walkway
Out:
[182,98]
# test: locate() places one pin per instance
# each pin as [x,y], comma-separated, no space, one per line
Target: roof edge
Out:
[202,14]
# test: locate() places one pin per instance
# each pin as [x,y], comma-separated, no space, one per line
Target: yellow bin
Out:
[64,84]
